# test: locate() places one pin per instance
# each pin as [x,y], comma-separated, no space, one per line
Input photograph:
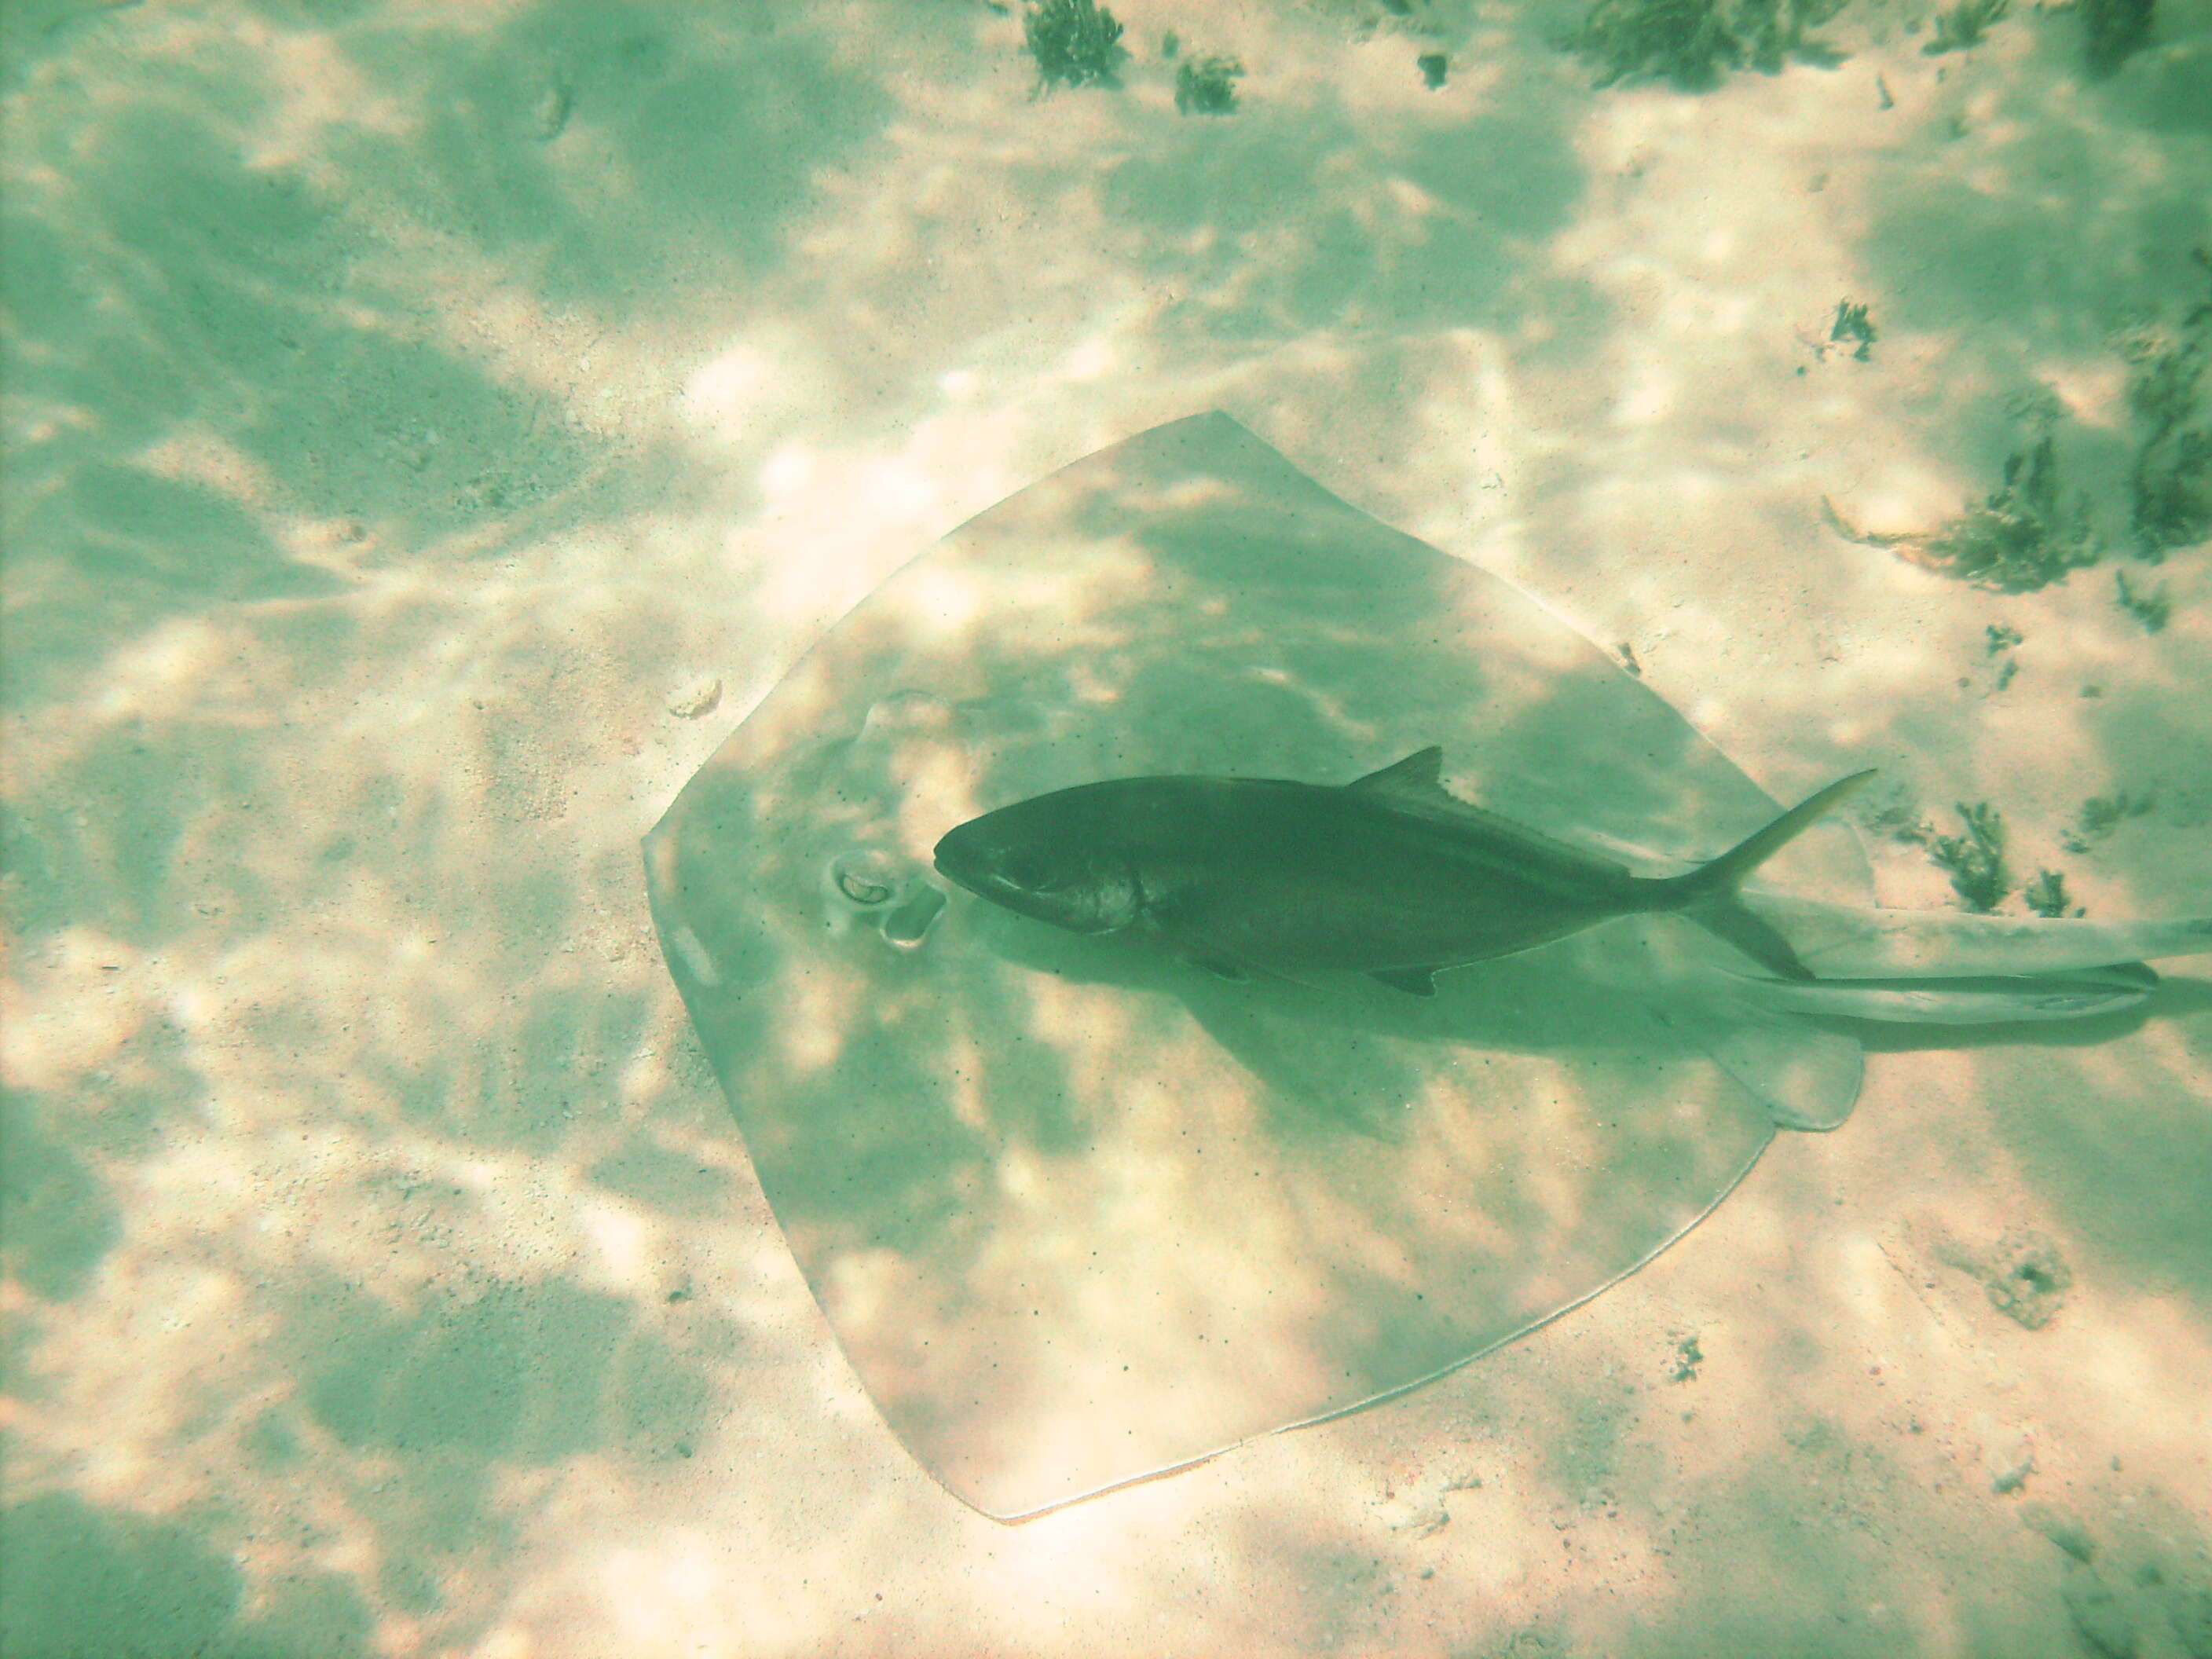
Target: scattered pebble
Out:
[550,112]
[704,700]
[2010,1464]
[2030,1281]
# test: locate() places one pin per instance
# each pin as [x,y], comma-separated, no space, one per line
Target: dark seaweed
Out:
[2047,895]
[2151,606]
[1852,323]
[1694,44]
[1207,86]
[1076,43]
[1975,858]
[2171,487]
[1688,1356]
[1963,25]
[2172,492]
[2021,538]
[2112,31]
[2100,815]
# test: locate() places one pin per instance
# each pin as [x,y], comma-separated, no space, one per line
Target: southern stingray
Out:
[1084,1210]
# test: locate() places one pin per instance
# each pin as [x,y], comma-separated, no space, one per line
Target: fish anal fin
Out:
[1414,982]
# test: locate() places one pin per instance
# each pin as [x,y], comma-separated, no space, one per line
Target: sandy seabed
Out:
[431,427]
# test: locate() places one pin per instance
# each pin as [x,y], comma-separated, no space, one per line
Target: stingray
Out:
[1083,1210]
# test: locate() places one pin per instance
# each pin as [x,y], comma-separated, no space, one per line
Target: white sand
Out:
[410,404]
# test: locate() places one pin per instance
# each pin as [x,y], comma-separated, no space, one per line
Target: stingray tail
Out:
[1708,895]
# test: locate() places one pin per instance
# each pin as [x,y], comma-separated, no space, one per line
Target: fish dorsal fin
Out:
[1415,785]
[1419,776]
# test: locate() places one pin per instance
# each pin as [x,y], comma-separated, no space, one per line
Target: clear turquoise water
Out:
[431,429]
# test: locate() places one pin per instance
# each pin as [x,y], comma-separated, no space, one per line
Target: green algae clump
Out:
[1076,43]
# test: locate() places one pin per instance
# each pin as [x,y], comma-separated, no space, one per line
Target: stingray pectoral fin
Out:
[1708,895]
[1807,1077]
[1976,1000]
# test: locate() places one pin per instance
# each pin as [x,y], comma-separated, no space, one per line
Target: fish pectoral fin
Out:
[1236,972]
[1191,946]
[1415,981]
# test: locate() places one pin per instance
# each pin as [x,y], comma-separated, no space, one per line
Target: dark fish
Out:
[1390,876]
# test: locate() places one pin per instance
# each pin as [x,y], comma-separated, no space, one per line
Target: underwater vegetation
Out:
[1207,86]
[2151,606]
[1998,641]
[2047,895]
[2171,486]
[1076,43]
[2173,490]
[2030,533]
[2112,31]
[1688,1356]
[1853,324]
[2021,538]
[1960,27]
[2100,815]
[1695,43]
[1975,858]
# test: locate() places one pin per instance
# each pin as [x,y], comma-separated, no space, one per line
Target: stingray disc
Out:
[1079,1212]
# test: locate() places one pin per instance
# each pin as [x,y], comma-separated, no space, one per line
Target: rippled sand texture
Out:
[431,427]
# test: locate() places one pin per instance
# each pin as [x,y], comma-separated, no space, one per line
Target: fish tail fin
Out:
[1708,895]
